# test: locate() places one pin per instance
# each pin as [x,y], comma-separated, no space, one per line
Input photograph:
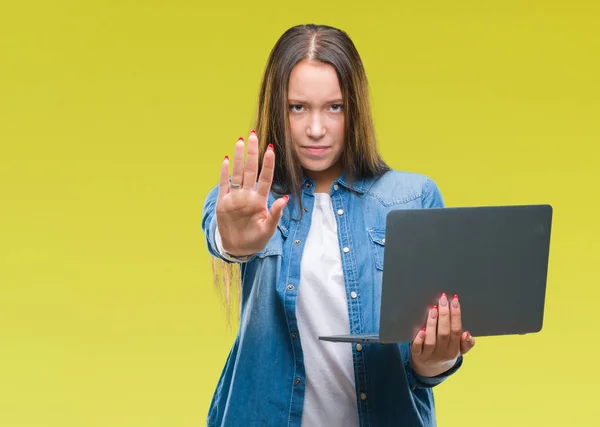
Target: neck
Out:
[324,179]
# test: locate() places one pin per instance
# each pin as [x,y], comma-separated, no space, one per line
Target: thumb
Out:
[467,342]
[276,212]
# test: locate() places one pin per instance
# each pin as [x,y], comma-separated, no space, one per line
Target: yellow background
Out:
[115,116]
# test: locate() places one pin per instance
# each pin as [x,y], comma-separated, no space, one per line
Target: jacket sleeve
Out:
[431,196]
[211,232]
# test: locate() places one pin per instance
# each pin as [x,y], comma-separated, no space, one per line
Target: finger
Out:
[431,331]
[224,178]
[251,169]
[467,342]
[443,327]
[266,174]
[455,322]
[276,212]
[417,345]
[237,175]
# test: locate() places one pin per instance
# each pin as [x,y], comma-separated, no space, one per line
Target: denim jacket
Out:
[262,383]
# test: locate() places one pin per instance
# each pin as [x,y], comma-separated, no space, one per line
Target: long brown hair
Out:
[360,158]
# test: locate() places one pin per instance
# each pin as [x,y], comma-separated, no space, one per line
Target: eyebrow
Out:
[333,101]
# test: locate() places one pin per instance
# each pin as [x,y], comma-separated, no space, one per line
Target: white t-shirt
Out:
[322,309]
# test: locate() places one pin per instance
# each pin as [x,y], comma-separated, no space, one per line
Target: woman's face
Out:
[316,118]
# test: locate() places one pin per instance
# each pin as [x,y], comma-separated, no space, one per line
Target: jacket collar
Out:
[360,185]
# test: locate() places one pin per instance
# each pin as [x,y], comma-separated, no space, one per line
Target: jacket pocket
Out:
[377,236]
[274,246]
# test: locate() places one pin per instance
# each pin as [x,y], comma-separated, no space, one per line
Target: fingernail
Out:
[444,300]
[286,197]
[270,146]
[468,336]
[253,132]
[434,312]
[226,157]
[241,138]
[455,301]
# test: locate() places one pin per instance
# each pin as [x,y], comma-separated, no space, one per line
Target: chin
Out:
[317,166]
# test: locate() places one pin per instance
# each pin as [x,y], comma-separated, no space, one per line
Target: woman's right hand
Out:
[244,221]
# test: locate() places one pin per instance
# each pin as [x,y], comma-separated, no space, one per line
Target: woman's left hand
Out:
[437,346]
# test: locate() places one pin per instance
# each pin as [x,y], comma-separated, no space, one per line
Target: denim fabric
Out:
[262,383]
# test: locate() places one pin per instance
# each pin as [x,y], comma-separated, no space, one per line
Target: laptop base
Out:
[358,338]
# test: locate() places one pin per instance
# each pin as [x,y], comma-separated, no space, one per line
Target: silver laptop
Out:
[495,258]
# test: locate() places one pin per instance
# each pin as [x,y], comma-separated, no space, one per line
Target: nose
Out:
[316,126]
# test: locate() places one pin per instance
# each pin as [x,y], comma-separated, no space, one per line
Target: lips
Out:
[315,150]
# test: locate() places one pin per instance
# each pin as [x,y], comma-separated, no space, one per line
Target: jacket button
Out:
[363,396]
[358,347]
[353,295]
[297,381]
[340,212]
[294,335]
[290,287]
[296,242]
[346,250]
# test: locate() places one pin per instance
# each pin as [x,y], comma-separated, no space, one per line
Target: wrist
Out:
[230,255]
[238,257]
[432,370]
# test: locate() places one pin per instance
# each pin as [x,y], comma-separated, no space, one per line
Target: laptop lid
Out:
[495,258]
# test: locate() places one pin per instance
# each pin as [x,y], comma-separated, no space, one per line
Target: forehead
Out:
[313,81]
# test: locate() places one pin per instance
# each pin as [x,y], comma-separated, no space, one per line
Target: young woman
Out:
[304,216]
